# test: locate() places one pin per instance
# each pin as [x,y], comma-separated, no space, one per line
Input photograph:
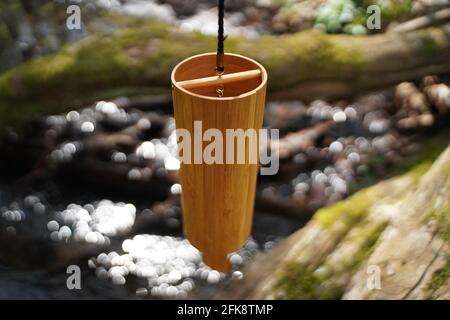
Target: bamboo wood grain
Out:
[220,80]
[218,199]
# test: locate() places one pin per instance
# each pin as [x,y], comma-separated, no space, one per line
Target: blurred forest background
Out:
[88,172]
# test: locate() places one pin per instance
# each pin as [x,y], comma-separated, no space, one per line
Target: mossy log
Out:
[139,58]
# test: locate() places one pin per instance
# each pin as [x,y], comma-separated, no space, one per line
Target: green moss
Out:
[312,48]
[366,237]
[420,162]
[439,278]
[394,9]
[433,41]
[419,170]
[349,210]
[297,282]
[105,60]
[442,217]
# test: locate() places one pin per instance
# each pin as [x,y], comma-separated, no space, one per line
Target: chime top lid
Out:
[197,76]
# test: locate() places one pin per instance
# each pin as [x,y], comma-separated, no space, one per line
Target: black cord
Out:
[220,38]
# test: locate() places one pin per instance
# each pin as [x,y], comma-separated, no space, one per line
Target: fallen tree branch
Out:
[139,60]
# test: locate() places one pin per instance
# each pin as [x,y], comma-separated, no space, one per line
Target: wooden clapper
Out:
[218,199]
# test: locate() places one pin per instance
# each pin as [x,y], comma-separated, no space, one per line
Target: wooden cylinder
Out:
[218,198]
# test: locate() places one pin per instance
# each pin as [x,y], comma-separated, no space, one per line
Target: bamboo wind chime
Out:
[223,91]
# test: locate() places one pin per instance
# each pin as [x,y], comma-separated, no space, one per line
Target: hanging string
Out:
[220,39]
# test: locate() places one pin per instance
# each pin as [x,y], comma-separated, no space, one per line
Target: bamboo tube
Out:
[220,80]
[218,199]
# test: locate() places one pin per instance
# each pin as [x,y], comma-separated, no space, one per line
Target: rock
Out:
[398,228]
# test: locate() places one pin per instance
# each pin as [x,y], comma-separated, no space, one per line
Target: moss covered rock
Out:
[398,227]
